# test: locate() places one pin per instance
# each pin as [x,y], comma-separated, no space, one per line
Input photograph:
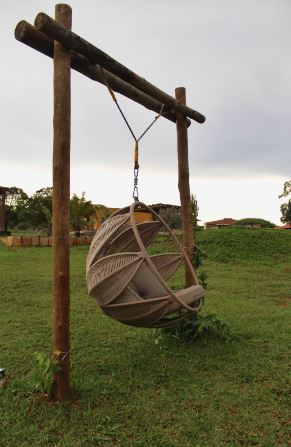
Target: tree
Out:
[81,210]
[286,212]
[33,212]
[16,204]
[286,207]
[13,195]
[172,217]
[286,190]
[40,209]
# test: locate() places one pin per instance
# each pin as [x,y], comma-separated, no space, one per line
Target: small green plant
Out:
[201,327]
[202,276]
[45,369]
[198,258]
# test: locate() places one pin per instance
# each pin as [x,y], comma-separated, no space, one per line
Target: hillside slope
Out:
[246,245]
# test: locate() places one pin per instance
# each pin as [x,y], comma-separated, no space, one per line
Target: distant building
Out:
[285,227]
[102,213]
[157,207]
[216,224]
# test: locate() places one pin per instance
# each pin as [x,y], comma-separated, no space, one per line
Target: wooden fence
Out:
[41,241]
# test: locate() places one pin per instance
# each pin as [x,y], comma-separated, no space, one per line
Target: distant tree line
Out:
[254,221]
[24,212]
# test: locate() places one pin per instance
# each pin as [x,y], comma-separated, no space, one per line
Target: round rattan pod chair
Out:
[129,284]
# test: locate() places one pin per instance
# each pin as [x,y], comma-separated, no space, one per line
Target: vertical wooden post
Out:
[61,208]
[183,182]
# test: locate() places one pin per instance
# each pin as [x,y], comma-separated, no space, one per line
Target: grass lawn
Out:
[132,387]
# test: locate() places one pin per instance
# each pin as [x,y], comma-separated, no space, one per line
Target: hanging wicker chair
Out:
[129,284]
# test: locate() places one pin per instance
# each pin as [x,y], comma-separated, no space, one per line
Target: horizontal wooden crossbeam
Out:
[27,34]
[72,41]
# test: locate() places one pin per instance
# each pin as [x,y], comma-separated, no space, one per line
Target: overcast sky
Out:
[233,57]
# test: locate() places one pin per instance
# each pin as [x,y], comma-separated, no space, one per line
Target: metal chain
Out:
[135,193]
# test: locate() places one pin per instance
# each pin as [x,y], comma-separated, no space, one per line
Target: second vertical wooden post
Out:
[61,208]
[183,182]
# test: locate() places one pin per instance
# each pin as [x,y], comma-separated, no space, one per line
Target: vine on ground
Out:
[201,327]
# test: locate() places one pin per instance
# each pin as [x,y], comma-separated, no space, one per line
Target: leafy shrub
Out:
[198,257]
[203,276]
[201,327]
[45,369]
[23,226]
[172,217]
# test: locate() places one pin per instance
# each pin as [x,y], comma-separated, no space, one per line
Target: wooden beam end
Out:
[20,30]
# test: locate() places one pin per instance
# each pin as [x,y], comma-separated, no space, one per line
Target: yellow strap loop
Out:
[136,152]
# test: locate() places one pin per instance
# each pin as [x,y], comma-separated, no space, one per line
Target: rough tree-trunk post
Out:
[183,181]
[61,208]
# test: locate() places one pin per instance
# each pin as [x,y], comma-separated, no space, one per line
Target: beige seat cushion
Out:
[147,284]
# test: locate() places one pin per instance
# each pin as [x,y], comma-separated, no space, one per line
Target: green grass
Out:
[130,390]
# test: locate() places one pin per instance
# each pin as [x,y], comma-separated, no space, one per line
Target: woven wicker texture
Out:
[109,276]
[104,235]
[125,241]
[128,283]
[167,264]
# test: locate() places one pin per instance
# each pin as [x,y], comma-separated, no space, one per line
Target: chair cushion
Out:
[147,284]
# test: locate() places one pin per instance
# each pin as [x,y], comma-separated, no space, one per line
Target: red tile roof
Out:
[285,227]
[225,221]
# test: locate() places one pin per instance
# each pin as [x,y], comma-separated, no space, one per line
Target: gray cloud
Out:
[232,56]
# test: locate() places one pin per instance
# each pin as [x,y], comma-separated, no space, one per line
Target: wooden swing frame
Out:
[55,39]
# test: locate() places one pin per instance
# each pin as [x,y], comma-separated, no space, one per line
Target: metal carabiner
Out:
[135,183]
